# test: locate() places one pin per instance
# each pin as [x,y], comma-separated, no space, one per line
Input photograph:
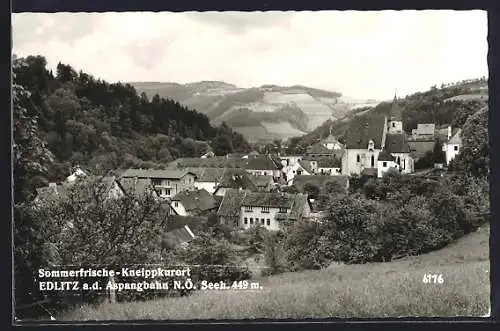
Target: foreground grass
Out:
[393,289]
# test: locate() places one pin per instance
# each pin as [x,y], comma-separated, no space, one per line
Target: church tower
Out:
[395,123]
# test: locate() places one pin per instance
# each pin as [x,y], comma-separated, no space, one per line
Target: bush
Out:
[274,254]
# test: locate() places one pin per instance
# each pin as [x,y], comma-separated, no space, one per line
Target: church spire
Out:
[395,114]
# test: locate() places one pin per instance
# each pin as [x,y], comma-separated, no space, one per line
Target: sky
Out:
[368,55]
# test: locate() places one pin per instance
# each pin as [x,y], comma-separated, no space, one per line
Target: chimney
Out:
[449,132]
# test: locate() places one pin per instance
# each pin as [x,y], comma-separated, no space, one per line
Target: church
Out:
[375,146]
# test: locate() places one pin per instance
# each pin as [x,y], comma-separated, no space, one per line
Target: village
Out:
[246,190]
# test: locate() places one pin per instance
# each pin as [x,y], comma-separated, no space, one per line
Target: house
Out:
[234,179]
[264,165]
[270,210]
[291,159]
[110,188]
[263,183]
[453,146]
[385,161]
[332,143]
[137,186]
[367,137]
[76,173]
[424,131]
[295,169]
[209,178]
[329,166]
[179,237]
[192,203]
[320,181]
[167,183]
[319,150]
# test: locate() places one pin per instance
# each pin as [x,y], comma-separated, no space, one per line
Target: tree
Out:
[311,190]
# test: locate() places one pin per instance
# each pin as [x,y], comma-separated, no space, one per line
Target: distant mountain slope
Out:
[262,113]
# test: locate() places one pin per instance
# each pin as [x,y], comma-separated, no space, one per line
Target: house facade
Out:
[453,146]
[193,203]
[293,170]
[167,183]
[269,210]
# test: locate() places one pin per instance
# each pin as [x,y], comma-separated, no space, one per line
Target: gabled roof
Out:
[137,186]
[208,174]
[231,203]
[318,180]
[196,200]
[362,129]
[265,199]
[397,143]
[262,180]
[150,173]
[384,155]
[456,138]
[330,140]
[306,165]
[426,128]
[236,179]
[261,163]
[299,202]
[396,112]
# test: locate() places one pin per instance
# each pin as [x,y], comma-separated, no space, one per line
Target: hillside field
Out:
[392,289]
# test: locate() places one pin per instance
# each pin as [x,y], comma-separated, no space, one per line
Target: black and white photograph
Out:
[179,166]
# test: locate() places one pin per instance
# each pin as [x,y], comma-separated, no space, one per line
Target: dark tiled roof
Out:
[362,129]
[385,156]
[149,173]
[49,193]
[179,236]
[262,163]
[330,140]
[254,163]
[261,199]
[297,208]
[236,179]
[396,112]
[231,203]
[397,143]
[196,200]
[306,165]
[318,180]
[261,180]
[207,174]
[137,186]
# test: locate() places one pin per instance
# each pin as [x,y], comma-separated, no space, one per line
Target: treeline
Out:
[422,107]
[93,123]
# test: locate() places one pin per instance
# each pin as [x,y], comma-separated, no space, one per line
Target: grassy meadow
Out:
[392,289]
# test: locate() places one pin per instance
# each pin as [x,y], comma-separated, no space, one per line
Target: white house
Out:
[385,162]
[193,203]
[269,210]
[290,160]
[453,146]
[77,172]
[295,169]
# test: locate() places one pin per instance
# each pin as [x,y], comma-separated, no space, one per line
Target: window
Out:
[168,191]
[176,204]
[455,148]
[265,210]
[373,161]
[384,164]
[299,172]
[393,124]
[404,164]
[283,210]
[358,158]
[156,181]
[268,222]
[245,220]
[248,208]
[262,221]
[251,220]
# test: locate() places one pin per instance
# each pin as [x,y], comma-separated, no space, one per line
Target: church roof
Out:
[384,155]
[362,129]
[397,143]
[396,112]
[330,140]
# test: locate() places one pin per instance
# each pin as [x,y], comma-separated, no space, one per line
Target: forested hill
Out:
[448,104]
[102,126]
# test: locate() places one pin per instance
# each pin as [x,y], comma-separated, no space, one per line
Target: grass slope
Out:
[372,290]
